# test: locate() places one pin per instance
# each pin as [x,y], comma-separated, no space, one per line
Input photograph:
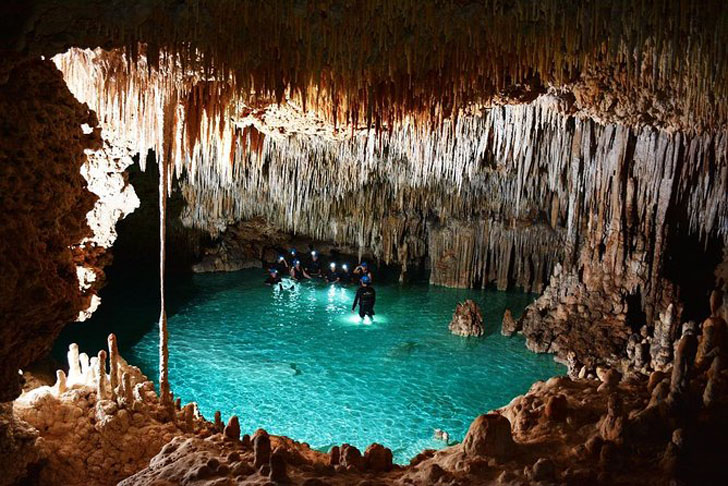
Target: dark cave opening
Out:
[635,316]
[689,263]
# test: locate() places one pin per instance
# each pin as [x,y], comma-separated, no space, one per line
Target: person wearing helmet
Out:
[314,266]
[273,277]
[344,275]
[333,275]
[282,264]
[365,297]
[298,273]
[362,270]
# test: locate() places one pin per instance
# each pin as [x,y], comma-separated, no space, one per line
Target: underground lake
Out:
[299,363]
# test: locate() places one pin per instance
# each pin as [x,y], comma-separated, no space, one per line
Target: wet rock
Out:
[489,436]
[278,468]
[434,473]
[261,448]
[467,320]
[334,456]
[350,457]
[232,429]
[378,458]
[543,470]
[556,408]
[509,325]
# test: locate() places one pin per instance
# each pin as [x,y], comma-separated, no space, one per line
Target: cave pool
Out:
[299,363]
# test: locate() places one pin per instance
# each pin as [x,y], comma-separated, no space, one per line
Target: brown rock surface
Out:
[44,204]
[489,436]
[467,320]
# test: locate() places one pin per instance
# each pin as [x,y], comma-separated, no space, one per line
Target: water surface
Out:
[299,363]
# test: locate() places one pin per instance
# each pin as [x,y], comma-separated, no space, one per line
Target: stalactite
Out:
[241,158]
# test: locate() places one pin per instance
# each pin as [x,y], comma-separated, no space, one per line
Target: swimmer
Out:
[365,297]
[442,435]
[273,277]
[314,266]
[363,270]
[282,263]
[333,275]
[298,273]
[344,275]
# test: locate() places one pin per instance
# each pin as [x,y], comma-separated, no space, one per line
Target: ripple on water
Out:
[299,363]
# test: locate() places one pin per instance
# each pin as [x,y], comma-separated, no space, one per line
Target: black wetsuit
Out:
[281,267]
[365,297]
[271,280]
[297,273]
[332,276]
[314,268]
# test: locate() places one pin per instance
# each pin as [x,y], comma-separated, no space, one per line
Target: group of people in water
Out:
[313,269]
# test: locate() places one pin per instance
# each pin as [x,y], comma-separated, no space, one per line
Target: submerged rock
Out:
[467,320]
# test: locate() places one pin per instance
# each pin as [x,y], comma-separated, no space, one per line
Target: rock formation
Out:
[467,320]
[95,427]
[43,218]
[577,149]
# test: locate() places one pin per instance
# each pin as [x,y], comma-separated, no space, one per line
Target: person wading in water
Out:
[365,297]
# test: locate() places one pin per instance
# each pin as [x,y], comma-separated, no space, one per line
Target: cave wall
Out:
[45,202]
[575,152]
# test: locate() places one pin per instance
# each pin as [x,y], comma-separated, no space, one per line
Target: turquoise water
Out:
[299,363]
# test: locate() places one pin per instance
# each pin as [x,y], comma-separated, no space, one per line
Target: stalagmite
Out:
[715,387]
[60,386]
[277,464]
[74,365]
[681,369]
[113,365]
[127,388]
[232,429]
[261,448]
[467,320]
[509,326]
[101,386]
[85,365]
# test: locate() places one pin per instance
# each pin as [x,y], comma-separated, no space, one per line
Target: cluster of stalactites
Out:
[182,117]
[376,62]
[521,165]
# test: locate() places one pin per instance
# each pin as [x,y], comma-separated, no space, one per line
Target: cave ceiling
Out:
[373,63]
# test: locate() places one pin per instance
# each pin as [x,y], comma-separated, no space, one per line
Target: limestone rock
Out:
[261,448]
[489,436]
[232,429]
[378,458]
[557,408]
[351,457]
[278,467]
[509,326]
[467,320]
